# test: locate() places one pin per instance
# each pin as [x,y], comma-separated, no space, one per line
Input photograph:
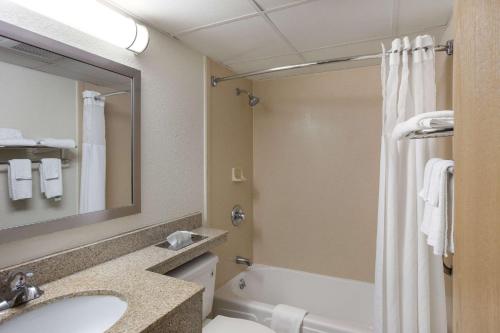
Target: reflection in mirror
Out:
[65,136]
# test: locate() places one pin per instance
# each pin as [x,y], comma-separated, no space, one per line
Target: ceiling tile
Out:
[238,41]
[318,69]
[418,15]
[355,49]
[327,22]
[248,66]
[269,4]
[364,48]
[173,16]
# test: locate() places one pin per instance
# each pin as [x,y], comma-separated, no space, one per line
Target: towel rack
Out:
[32,153]
[448,270]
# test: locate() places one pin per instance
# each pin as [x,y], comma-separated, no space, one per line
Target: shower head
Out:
[252,100]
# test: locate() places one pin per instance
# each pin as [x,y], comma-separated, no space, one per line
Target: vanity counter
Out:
[155,302]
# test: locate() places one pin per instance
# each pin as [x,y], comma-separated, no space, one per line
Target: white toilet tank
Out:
[200,270]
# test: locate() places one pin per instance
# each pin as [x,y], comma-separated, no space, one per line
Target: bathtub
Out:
[334,305]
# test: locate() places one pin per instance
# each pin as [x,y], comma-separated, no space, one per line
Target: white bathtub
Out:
[334,305]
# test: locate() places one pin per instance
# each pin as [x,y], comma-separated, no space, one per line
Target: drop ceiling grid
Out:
[273,26]
[283,10]
[258,11]
[352,48]
[254,34]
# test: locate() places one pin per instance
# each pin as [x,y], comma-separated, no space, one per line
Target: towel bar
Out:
[63,161]
[33,153]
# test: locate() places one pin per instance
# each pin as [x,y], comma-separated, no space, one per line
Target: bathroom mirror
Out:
[69,136]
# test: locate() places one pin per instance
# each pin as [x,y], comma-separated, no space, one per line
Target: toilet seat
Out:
[221,324]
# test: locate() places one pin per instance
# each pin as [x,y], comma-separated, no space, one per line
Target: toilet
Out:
[201,270]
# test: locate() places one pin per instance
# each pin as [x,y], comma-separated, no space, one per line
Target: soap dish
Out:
[175,247]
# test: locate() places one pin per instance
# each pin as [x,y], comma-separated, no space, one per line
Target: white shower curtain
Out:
[93,178]
[409,281]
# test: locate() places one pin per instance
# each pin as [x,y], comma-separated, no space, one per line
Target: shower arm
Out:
[239,91]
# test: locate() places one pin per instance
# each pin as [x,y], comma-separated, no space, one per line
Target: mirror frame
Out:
[31,230]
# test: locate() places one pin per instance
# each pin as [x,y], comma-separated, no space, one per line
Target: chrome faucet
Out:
[243,261]
[15,291]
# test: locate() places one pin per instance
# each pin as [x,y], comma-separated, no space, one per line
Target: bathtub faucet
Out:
[243,261]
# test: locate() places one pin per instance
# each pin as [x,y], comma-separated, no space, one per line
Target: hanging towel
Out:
[51,178]
[57,143]
[437,223]
[423,121]
[424,192]
[10,133]
[14,142]
[20,183]
[287,319]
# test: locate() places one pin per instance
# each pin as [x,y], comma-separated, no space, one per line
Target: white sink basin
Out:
[79,314]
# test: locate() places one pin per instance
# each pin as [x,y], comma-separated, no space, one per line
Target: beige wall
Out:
[229,144]
[476,272]
[40,105]
[316,168]
[171,137]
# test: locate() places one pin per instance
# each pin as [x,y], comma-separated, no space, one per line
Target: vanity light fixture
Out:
[94,18]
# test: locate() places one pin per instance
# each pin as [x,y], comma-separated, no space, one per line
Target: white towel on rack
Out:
[424,192]
[443,122]
[438,223]
[422,121]
[51,178]
[57,143]
[20,179]
[287,319]
[17,142]
[10,133]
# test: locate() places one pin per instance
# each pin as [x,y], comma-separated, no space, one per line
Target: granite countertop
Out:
[137,278]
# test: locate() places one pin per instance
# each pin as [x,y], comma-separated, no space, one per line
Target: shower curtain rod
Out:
[112,94]
[115,93]
[448,48]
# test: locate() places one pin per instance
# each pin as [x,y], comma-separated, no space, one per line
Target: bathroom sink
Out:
[79,314]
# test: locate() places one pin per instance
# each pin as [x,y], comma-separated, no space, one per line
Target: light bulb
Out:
[94,18]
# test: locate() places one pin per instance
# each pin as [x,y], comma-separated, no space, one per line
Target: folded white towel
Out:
[20,182]
[10,133]
[444,122]
[287,319]
[422,121]
[51,178]
[57,143]
[17,142]
[437,222]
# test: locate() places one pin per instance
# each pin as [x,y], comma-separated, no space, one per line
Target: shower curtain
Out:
[409,280]
[93,178]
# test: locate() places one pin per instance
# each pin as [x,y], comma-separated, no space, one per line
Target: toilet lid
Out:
[221,324]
